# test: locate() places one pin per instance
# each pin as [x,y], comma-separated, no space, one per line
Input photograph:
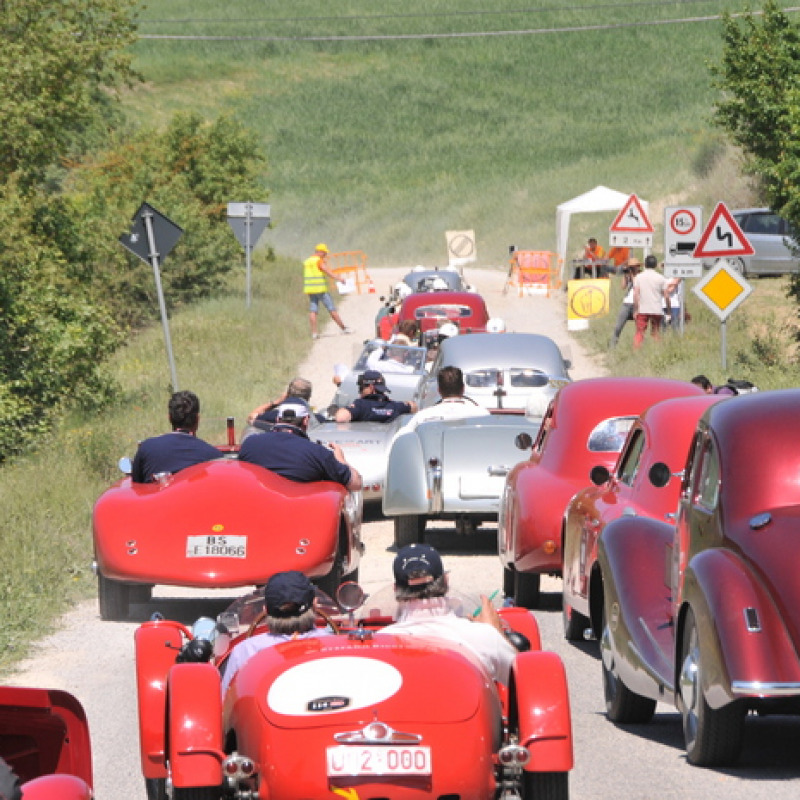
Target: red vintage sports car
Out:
[585,426]
[361,714]
[44,739]
[661,435]
[220,524]
[431,309]
[705,612]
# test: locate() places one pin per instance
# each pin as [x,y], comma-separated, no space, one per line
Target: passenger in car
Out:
[420,585]
[172,452]
[289,606]
[373,405]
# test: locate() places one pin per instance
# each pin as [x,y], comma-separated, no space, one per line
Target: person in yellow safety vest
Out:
[315,284]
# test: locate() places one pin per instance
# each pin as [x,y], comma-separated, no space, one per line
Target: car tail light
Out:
[549,547]
[514,755]
[237,767]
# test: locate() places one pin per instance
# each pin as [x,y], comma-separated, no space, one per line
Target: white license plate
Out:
[361,760]
[216,546]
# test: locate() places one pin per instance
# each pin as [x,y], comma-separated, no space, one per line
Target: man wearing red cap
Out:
[315,285]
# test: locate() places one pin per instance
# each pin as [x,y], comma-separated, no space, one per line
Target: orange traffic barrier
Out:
[534,272]
[350,269]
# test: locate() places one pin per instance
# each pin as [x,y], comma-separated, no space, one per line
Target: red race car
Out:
[431,309]
[661,435]
[358,714]
[220,524]
[585,426]
[44,739]
[705,612]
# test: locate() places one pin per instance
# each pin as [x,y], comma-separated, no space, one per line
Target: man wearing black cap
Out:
[420,586]
[172,452]
[289,605]
[373,405]
[288,451]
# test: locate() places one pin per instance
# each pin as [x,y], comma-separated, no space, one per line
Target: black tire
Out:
[527,589]
[508,583]
[545,785]
[623,706]
[713,736]
[197,793]
[574,622]
[140,593]
[113,598]
[408,529]
[156,788]
[330,583]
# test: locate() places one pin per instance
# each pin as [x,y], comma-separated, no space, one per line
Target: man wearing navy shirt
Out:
[287,450]
[373,405]
[172,452]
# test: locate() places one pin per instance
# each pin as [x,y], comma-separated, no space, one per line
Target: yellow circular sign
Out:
[588,302]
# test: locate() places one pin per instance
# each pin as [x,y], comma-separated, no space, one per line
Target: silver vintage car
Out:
[455,469]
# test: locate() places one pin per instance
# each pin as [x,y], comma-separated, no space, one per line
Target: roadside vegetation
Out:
[380,145]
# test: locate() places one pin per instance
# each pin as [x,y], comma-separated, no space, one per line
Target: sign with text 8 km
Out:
[682,228]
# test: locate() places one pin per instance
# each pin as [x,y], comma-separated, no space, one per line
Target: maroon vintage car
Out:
[661,435]
[430,310]
[585,426]
[44,739]
[705,612]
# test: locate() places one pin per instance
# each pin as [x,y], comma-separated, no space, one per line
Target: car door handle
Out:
[499,470]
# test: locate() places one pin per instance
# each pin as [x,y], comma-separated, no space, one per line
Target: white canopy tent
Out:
[601,198]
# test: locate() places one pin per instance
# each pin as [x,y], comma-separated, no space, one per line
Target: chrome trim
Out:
[437,500]
[758,689]
[500,470]
[751,620]
[376,732]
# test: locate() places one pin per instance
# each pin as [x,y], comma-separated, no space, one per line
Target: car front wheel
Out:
[713,735]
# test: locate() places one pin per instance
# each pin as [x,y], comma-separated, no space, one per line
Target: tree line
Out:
[73,171]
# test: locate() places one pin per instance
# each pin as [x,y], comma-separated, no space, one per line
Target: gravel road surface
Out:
[94,659]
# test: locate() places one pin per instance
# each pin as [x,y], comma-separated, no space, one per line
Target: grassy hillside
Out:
[383,145]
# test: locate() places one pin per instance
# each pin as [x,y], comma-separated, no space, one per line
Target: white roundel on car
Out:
[328,685]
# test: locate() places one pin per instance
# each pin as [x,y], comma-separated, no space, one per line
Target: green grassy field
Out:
[383,145]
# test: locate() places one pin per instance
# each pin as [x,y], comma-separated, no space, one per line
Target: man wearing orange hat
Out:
[315,285]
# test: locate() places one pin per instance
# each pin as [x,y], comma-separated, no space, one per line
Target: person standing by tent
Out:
[315,284]
[650,288]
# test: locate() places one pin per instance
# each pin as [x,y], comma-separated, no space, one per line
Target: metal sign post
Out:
[248,221]
[156,229]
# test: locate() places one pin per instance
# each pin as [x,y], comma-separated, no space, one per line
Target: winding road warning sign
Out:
[722,237]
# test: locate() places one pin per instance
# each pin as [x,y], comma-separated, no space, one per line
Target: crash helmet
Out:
[448,329]
[439,285]
[402,290]
[495,325]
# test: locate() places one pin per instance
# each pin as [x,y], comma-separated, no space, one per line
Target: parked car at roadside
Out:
[585,426]
[704,612]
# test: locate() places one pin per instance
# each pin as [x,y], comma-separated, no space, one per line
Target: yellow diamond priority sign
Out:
[723,289]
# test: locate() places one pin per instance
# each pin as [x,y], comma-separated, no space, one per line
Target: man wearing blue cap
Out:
[372,404]
[289,605]
[287,450]
[420,587]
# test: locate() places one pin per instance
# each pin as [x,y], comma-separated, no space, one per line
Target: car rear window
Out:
[448,311]
[609,435]
[518,377]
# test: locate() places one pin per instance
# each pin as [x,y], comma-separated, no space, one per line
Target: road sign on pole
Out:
[632,226]
[153,236]
[723,237]
[682,228]
[248,221]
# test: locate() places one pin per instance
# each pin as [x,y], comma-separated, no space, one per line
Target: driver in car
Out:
[372,404]
[289,606]
[420,586]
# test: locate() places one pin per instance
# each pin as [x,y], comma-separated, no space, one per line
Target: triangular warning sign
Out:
[632,218]
[722,237]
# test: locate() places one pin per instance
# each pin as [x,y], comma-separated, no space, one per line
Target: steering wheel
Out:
[262,615]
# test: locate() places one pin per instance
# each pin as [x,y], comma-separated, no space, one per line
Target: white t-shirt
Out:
[434,618]
[447,408]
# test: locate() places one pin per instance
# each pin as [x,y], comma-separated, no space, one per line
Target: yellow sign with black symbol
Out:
[587,299]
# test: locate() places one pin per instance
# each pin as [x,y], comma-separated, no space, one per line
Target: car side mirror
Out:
[659,474]
[523,441]
[599,475]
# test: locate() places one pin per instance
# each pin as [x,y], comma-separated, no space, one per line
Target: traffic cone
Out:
[370,285]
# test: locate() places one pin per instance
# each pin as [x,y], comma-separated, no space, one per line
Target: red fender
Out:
[522,621]
[195,725]
[57,787]
[542,704]
[156,645]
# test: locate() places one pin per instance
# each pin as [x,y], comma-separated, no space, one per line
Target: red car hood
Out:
[335,681]
[222,523]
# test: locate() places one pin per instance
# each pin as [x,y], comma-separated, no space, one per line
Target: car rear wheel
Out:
[713,735]
[545,785]
[574,623]
[408,529]
[156,788]
[526,589]
[508,582]
[113,598]
[141,593]
[197,793]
